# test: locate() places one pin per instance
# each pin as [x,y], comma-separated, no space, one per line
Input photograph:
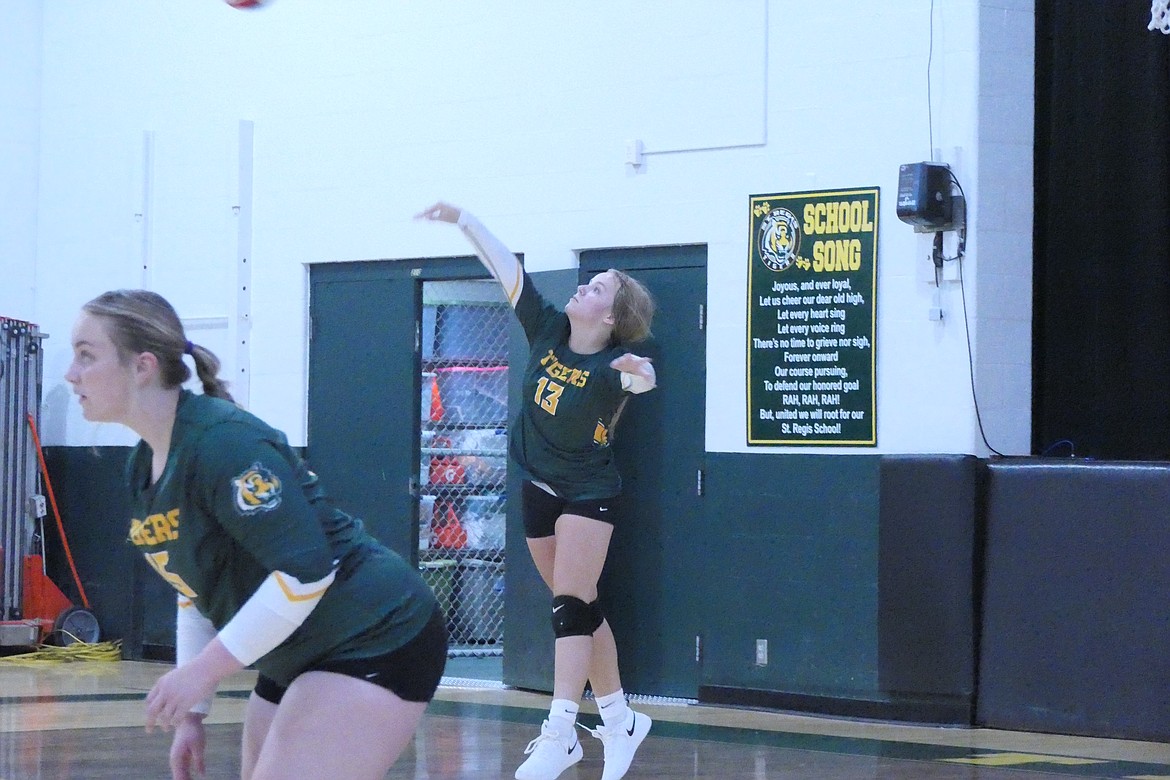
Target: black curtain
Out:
[1101,346]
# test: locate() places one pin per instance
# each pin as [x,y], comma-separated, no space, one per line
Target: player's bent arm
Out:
[193,632]
[498,259]
[636,383]
[277,608]
[637,373]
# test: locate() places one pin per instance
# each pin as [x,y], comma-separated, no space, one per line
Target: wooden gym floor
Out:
[84,720]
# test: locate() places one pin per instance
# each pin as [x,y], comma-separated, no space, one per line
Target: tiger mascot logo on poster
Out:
[779,239]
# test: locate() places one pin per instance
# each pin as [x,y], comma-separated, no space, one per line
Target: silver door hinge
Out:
[702,316]
[699,482]
[698,649]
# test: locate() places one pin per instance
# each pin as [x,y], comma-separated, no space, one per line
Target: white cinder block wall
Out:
[1003,257]
[365,111]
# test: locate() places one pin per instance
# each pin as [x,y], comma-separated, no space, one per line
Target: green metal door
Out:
[363,384]
[652,587]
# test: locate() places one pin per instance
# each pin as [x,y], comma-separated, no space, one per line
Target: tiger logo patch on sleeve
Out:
[257,490]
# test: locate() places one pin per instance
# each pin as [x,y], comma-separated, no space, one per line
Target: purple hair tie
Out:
[189,349]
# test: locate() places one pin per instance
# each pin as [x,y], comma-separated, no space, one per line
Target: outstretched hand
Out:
[630,363]
[440,212]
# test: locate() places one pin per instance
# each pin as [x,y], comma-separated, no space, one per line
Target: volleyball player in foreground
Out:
[348,640]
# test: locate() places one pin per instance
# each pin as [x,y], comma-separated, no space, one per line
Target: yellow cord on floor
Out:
[78,651]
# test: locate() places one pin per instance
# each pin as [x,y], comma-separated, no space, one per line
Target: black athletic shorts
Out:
[540,510]
[412,672]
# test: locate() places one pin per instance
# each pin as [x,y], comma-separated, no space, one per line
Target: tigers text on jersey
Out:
[235,503]
[561,436]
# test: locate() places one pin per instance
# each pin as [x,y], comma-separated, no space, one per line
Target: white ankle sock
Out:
[613,708]
[563,716]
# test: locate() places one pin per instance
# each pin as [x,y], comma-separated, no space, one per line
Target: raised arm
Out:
[497,258]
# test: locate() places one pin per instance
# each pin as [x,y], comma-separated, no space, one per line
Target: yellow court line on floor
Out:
[1013,759]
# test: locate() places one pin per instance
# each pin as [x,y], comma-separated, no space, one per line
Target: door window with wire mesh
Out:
[463,458]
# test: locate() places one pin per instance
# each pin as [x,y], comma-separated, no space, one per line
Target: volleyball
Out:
[247,4]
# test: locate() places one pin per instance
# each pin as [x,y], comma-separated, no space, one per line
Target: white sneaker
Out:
[550,754]
[620,744]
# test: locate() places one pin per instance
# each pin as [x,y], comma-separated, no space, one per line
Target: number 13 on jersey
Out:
[548,394]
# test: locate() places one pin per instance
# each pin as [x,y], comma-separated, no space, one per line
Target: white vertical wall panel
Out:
[20,84]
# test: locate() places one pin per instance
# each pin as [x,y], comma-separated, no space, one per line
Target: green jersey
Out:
[234,504]
[561,436]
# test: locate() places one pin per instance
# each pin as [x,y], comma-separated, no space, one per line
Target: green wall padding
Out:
[793,553]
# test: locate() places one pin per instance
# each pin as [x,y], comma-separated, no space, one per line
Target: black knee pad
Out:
[573,617]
